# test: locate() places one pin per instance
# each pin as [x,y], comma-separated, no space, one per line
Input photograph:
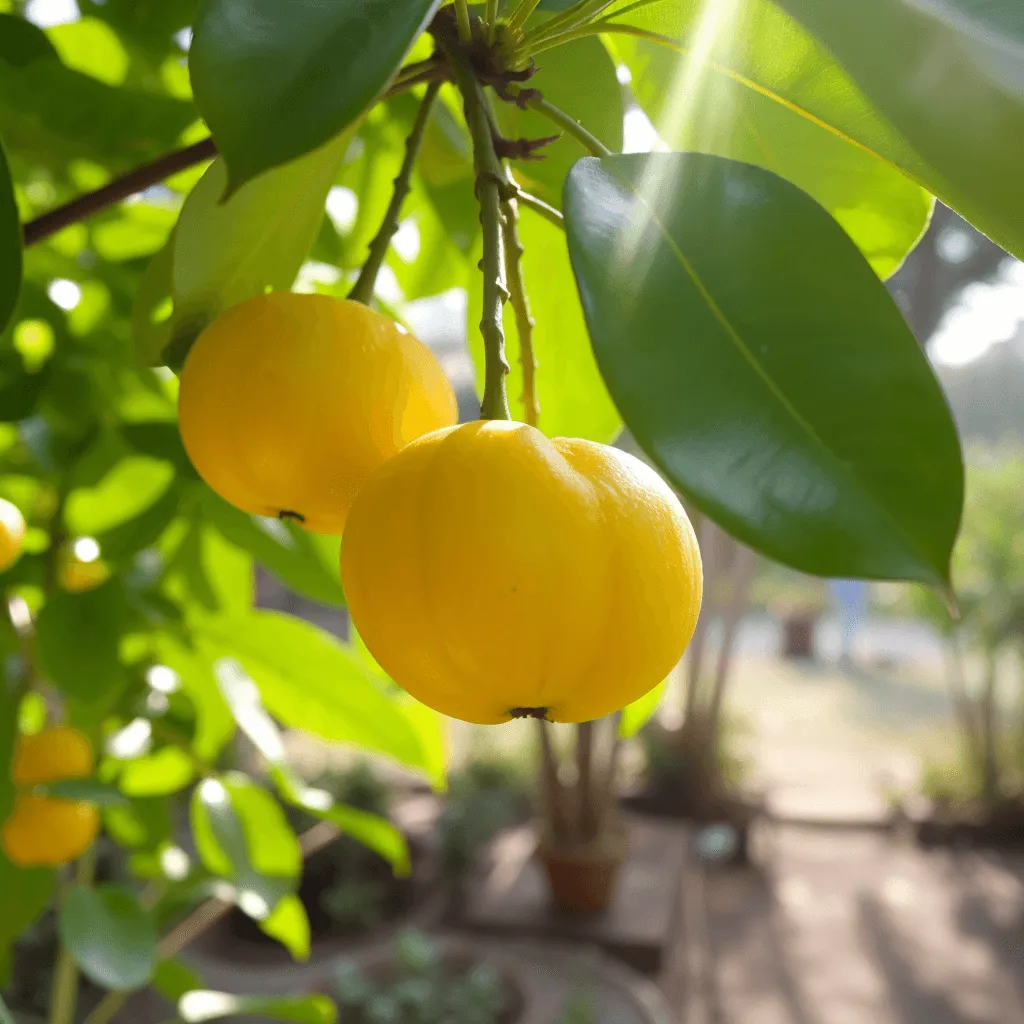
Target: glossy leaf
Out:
[937,102]
[201,1006]
[274,80]
[574,401]
[763,366]
[311,681]
[77,636]
[580,79]
[303,561]
[949,80]
[711,104]
[225,252]
[89,790]
[10,244]
[111,937]
[172,979]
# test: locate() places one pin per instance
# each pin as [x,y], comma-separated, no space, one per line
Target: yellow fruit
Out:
[495,574]
[12,534]
[56,753]
[76,575]
[46,830]
[289,403]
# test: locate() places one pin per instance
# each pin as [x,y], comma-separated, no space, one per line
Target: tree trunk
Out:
[990,735]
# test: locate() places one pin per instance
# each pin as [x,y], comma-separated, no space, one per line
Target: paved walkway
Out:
[852,928]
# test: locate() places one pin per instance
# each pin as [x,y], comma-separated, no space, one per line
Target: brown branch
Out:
[135,181]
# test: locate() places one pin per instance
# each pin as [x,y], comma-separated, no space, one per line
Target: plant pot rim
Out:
[612,839]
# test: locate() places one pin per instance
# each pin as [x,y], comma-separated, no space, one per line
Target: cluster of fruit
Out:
[493,573]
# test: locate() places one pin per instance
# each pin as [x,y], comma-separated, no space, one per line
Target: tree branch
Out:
[362,291]
[117,190]
[141,178]
[558,815]
[556,115]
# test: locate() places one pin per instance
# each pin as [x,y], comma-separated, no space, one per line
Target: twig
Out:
[130,184]
[491,187]
[553,788]
[462,17]
[147,175]
[608,783]
[521,306]
[549,213]
[491,18]
[589,142]
[362,291]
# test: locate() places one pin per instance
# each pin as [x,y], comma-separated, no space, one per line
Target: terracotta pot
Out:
[582,876]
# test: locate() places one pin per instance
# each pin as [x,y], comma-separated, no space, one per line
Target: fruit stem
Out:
[362,290]
[589,142]
[65,974]
[492,187]
[462,16]
[521,305]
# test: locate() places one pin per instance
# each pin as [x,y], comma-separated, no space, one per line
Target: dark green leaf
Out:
[21,42]
[305,562]
[274,80]
[227,252]
[10,244]
[89,790]
[26,893]
[172,979]
[763,366]
[111,937]
[140,824]
[78,636]
[578,78]
[309,680]
[725,114]
[198,1007]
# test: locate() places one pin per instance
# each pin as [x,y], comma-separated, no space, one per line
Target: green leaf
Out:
[10,244]
[197,1007]
[948,79]
[303,561]
[636,715]
[274,80]
[241,834]
[78,638]
[709,103]
[88,790]
[574,401]
[311,681]
[110,935]
[27,893]
[289,924]
[167,770]
[172,979]
[152,322]
[578,78]
[11,668]
[139,824]
[21,42]
[225,252]
[763,366]
[209,573]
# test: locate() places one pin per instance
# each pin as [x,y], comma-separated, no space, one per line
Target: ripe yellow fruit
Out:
[12,534]
[45,830]
[496,574]
[289,403]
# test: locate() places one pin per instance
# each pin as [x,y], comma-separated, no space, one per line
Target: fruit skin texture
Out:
[46,830]
[12,534]
[289,403]
[490,570]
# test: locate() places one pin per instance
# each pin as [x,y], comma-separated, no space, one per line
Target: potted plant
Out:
[582,840]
